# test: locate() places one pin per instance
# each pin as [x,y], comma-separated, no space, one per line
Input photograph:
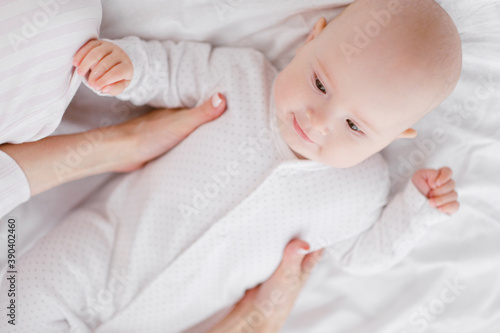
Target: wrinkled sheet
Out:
[449,282]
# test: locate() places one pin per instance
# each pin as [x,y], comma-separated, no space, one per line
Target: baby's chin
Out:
[301,152]
[299,156]
[332,161]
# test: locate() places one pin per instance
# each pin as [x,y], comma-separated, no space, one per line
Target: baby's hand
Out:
[438,187]
[110,67]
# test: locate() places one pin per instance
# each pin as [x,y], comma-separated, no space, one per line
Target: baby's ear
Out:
[410,133]
[318,27]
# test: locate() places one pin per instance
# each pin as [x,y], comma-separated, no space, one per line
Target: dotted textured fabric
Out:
[168,246]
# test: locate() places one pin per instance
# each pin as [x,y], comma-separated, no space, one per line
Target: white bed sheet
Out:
[418,294]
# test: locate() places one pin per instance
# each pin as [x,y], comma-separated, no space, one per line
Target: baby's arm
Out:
[403,221]
[169,74]
[110,67]
[165,73]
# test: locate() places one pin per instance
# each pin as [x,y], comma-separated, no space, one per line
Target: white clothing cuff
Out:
[131,46]
[15,188]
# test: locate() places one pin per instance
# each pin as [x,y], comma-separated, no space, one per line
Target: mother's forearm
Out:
[55,160]
[121,148]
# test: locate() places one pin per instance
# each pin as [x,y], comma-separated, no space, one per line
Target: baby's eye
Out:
[320,86]
[352,125]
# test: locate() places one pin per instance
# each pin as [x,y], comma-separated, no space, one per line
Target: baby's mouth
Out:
[299,131]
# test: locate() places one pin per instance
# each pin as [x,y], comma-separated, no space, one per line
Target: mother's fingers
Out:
[277,295]
[174,125]
[293,255]
[310,261]
[296,265]
[185,121]
[158,131]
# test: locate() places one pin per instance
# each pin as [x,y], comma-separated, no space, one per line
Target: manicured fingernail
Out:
[106,90]
[216,100]
[301,251]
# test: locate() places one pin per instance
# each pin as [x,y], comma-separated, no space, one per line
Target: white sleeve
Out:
[14,188]
[404,220]
[166,73]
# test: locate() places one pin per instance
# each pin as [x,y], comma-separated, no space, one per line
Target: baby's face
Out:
[340,112]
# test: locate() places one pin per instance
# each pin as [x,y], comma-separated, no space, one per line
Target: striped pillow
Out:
[37,81]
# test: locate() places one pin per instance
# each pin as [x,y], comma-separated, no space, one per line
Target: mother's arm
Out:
[51,161]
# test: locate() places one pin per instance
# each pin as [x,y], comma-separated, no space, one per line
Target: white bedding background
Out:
[451,281]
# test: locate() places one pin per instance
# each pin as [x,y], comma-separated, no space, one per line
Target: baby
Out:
[295,155]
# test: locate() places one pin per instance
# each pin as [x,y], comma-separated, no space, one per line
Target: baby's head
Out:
[364,79]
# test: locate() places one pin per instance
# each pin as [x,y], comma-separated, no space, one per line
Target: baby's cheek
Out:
[287,85]
[280,91]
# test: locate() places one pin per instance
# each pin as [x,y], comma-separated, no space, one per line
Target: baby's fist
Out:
[110,67]
[438,187]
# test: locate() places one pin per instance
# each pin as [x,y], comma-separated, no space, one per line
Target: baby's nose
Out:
[318,124]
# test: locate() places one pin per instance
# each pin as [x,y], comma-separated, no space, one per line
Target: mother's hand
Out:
[160,130]
[59,159]
[265,308]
